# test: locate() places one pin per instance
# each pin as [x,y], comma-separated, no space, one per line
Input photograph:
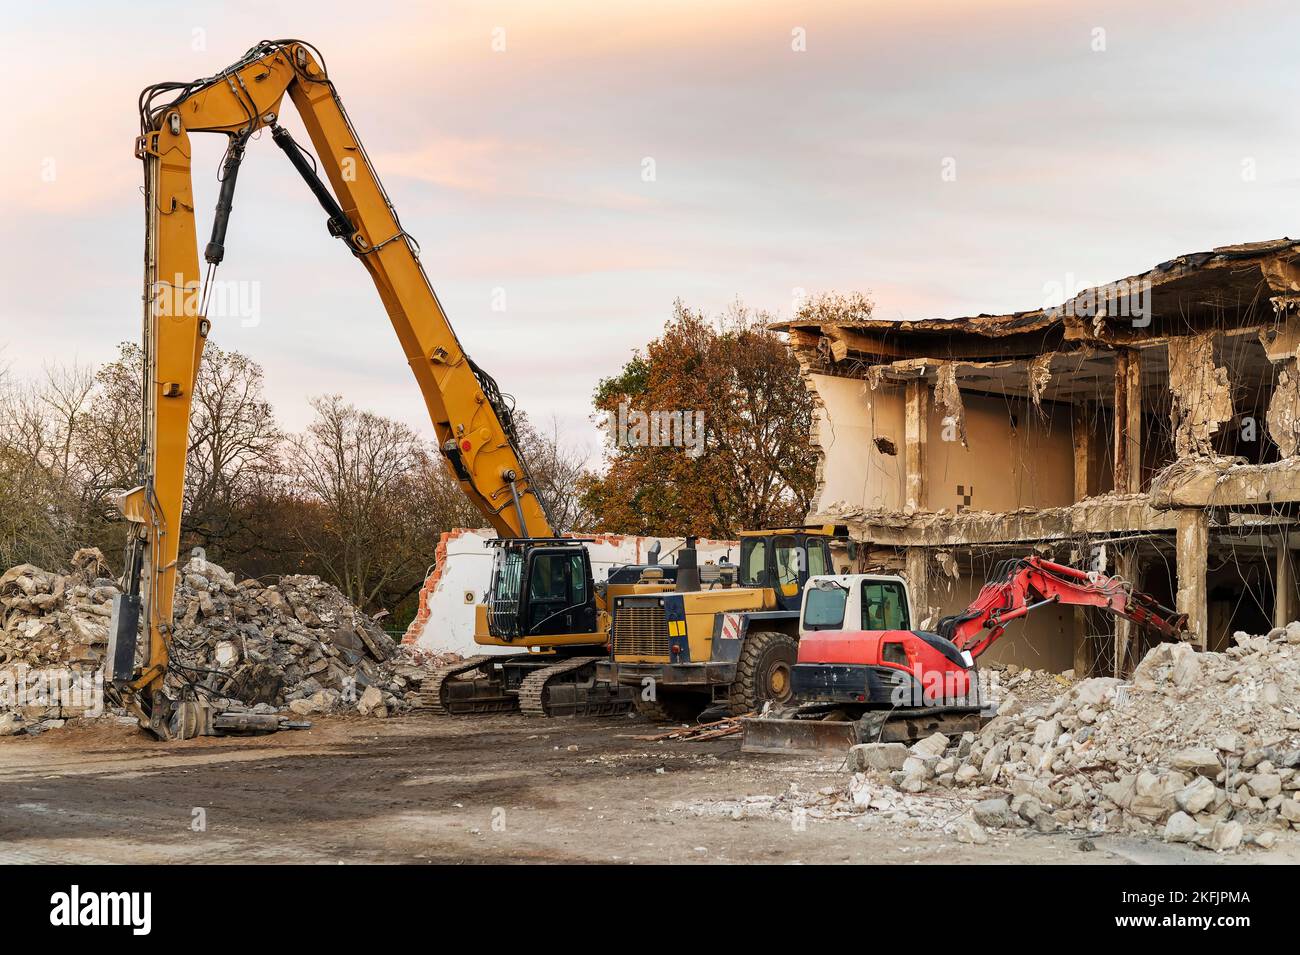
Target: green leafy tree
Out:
[754,466]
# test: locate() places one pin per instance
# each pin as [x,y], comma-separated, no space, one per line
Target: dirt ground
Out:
[425,789]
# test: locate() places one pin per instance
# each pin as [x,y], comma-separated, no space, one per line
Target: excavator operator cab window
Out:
[791,561]
[819,557]
[823,608]
[503,595]
[577,579]
[559,592]
[884,606]
[753,562]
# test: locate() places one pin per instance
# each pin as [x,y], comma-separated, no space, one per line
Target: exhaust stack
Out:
[688,568]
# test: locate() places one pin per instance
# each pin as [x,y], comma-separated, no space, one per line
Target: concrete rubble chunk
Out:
[878,757]
[1230,743]
[1265,785]
[1196,795]
[993,813]
[933,745]
[1225,837]
[1265,839]
[1046,732]
[1181,828]
[1200,759]
[370,700]
[1094,692]
[970,832]
[1187,672]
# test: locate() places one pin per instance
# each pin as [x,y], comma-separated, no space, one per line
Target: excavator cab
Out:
[541,587]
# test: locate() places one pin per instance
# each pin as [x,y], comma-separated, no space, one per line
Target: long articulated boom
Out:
[1021,586]
[472,420]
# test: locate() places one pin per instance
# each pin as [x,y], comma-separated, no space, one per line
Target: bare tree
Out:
[557,468]
[232,452]
[370,478]
[48,508]
[233,448]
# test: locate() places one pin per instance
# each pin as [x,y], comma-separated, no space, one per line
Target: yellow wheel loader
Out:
[695,647]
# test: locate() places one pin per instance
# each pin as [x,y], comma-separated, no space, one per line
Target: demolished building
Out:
[1148,428]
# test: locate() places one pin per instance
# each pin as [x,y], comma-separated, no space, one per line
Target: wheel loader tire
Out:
[672,707]
[763,671]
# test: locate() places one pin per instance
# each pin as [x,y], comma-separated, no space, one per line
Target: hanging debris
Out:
[1284,409]
[947,398]
[1040,376]
[1202,395]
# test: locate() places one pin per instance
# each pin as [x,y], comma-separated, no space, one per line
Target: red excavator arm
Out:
[1025,584]
[890,668]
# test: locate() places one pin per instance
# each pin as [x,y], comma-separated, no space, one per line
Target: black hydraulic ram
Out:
[216,249]
[338,223]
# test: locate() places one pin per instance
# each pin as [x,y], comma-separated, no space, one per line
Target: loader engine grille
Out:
[640,631]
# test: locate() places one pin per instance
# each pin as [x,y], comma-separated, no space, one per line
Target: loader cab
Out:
[541,588]
[782,561]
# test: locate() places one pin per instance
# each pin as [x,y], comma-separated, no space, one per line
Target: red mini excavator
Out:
[858,681]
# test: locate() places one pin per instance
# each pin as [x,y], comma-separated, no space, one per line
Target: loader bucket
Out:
[797,737]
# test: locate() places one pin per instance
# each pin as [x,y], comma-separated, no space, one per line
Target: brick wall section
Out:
[430,584]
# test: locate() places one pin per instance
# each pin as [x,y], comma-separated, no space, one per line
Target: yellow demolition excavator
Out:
[542,601]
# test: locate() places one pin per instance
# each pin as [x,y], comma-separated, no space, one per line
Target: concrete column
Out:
[1192,555]
[1126,566]
[1284,602]
[1081,434]
[918,582]
[1128,421]
[915,428]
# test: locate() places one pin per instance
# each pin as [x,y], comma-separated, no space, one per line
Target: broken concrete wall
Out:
[1016,456]
[860,436]
[948,403]
[1144,418]
[1283,416]
[1201,391]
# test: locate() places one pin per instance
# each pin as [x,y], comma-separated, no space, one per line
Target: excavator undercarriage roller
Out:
[471,686]
[535,686]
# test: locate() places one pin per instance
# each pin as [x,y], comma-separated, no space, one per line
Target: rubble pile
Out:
[1199,748]
[865,796]
[1030,686]
[295,645]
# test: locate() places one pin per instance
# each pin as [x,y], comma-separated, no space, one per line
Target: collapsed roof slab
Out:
[1240,284]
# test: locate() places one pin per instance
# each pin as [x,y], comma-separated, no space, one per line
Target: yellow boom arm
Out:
[473,422]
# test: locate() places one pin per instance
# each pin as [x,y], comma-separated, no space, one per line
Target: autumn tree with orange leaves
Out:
[754,468]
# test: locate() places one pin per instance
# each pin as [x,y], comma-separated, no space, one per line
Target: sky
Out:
[945,158]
